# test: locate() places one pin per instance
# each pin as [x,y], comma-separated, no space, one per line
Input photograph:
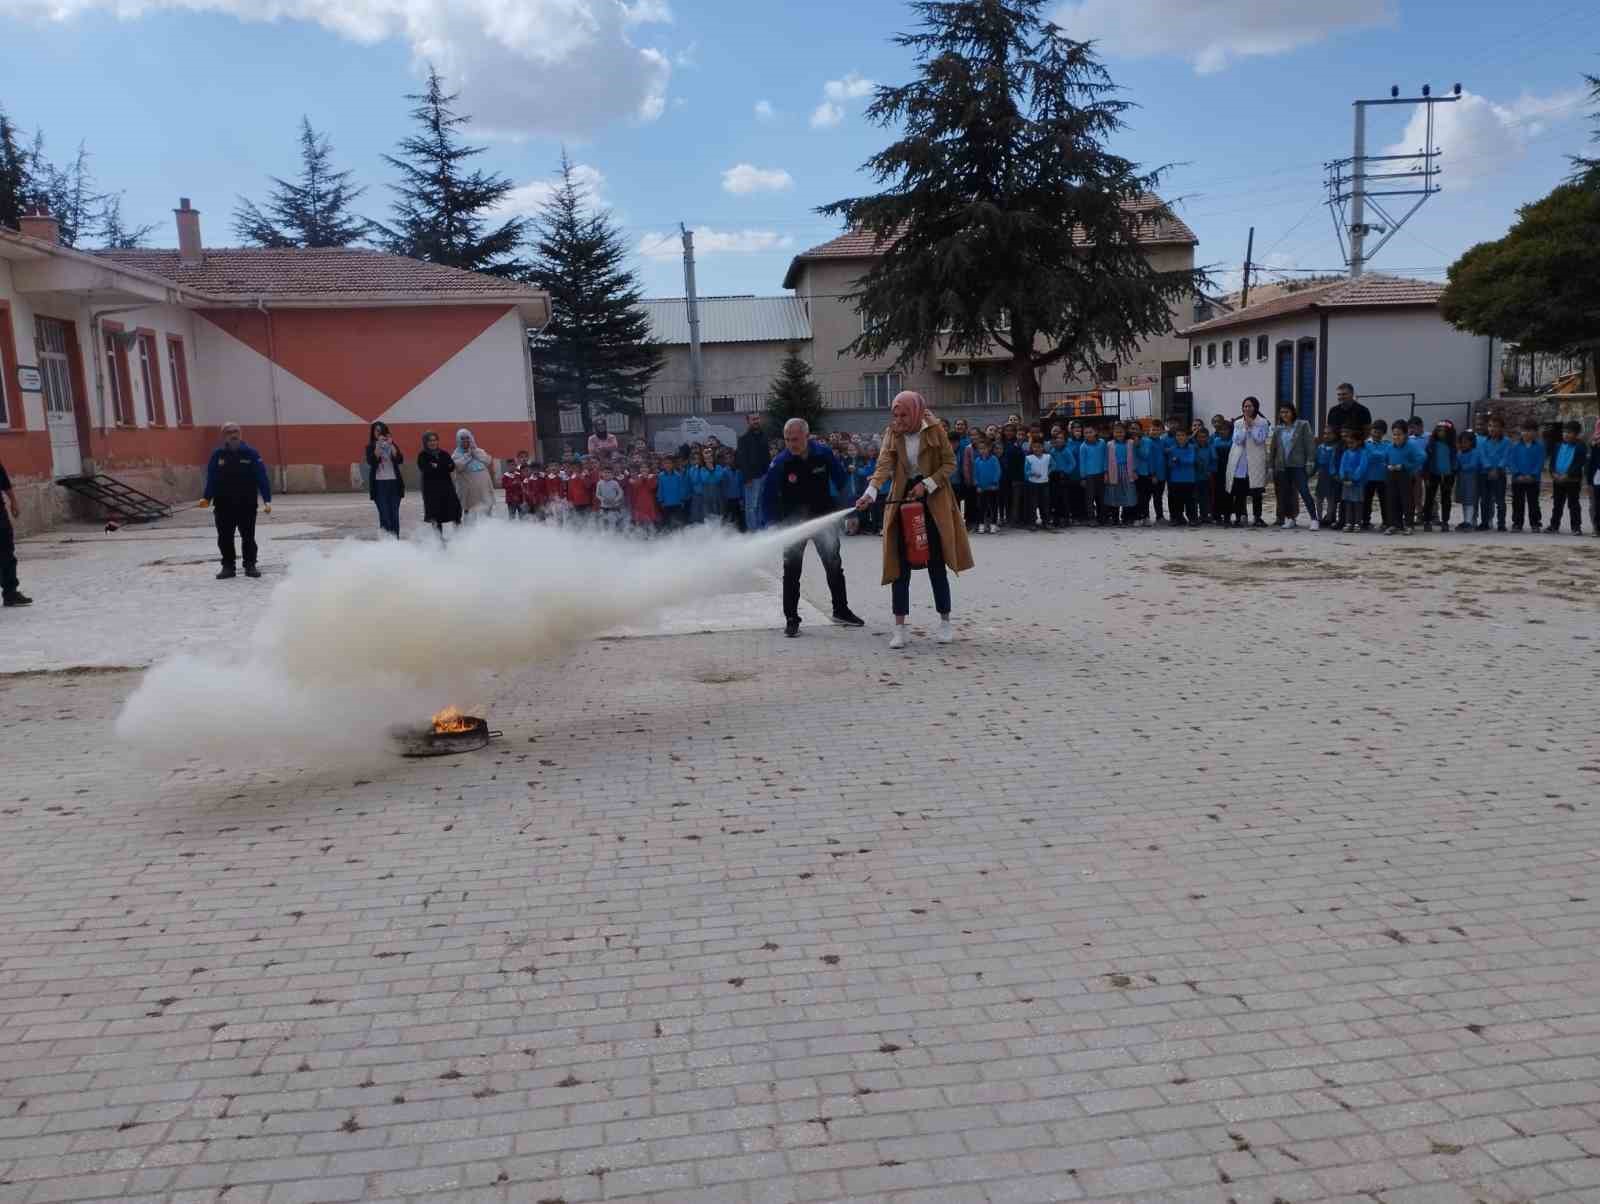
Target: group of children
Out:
[1410,474]
[643,491]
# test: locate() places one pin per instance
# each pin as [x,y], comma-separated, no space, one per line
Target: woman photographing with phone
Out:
[384,485]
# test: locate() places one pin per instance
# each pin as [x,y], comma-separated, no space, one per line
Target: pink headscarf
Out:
[1595,437]
[919,407]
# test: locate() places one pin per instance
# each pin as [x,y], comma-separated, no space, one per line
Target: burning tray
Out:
[450,732]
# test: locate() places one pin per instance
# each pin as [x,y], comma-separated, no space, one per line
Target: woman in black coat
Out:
[440,505]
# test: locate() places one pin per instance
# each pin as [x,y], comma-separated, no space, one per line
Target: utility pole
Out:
[1249,251]
[696,369]
[1350,180]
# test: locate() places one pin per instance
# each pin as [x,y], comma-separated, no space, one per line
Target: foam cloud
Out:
[1478,138]
[709,241]
[522,66]
[1212,34]
[747,178]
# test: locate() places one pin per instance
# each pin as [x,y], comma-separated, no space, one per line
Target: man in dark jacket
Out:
[752,459]
[235,476]
[8,545]
[1349,414]
[799,486]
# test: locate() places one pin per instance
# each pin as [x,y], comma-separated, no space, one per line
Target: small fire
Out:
[451,720]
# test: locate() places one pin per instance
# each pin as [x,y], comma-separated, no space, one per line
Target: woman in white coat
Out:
[1247,461]
[474,476]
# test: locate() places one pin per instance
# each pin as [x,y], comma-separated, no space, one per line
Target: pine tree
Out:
[315,212]
[115,236]
[1004,220]
[595,355]
[441,211]
[794,394]
[67,193]
[14,201]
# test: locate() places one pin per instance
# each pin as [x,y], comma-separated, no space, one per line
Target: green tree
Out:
[14,199]
[1587,170]
[1003,218]
[442,211]
[794,394]
[1539,286]
[315,212]
[113,233]
[595,355]
[67,193]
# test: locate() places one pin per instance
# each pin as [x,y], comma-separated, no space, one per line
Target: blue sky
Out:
[657,100]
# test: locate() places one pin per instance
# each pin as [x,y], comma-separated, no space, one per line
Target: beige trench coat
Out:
[936,461]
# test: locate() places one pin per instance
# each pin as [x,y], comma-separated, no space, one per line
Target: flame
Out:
[451,720]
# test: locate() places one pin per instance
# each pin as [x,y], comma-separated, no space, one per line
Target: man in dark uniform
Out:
[1349,414]
[8,545]
[234,477]
[752,459]
[798,486]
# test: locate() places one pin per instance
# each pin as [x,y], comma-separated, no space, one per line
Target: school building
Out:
[125,362]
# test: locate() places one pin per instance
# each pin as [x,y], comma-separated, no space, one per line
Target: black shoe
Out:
[18,599]
[1259,523]
[848,618]
[250,570]
[791,628]
[226,573]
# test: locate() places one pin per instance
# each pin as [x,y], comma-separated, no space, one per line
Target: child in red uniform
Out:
[580,489]
[533,491]
[642,498]
[513,481]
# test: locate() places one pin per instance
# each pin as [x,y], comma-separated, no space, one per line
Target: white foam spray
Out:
[370,635]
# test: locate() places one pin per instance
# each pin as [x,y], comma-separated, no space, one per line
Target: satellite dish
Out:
[126,340]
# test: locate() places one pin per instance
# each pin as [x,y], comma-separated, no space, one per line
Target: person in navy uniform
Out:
[235,476]
[799,485]
[8,545]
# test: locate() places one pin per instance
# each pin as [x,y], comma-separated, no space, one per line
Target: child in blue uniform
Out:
[1181,475]
[1121,493]
[1525,467]
[1092,468]
[1494,457]
[1567,466]
[1353,481]
[1328,484]
[1377,471]
[1439,470]
[1469,478]
[1063,467]
[1403,457]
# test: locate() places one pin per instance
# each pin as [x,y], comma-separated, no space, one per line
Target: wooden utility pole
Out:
[1249,250]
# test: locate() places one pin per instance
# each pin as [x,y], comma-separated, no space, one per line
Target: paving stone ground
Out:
[1209,866]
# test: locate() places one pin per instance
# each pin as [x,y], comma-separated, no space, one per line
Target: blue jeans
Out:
[386,496]
[752,506]
[1294,486]
[900,590]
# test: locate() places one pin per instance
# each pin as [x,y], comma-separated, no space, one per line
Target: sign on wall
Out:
[29,379]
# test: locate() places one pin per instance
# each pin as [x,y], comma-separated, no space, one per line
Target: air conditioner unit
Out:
[958,369]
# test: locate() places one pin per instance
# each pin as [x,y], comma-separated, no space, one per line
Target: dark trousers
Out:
[971,505]
[1567,495]
[1094,488]
[1185,506]
[1492,502]
[1525,496]
[900,587]
[1158,493]
[1144,489]
[673,517]
[988,507]
[1016,499]
[1397,511]
[1594,509]
[1442,488]
[827,545]
[1075,500]
[231,518]
[1369,490]
[1036,504]
[1242,490]
[1220,505]
[386,497]
[1060,500]
[8,557]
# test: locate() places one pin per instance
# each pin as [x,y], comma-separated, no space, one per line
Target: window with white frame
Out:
[1199,352]
[1227,353]
[1244,351]
[1261,348]
[150,378]
[879,389]
[1211,355]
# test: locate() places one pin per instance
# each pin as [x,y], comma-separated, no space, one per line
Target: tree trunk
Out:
[1027,389]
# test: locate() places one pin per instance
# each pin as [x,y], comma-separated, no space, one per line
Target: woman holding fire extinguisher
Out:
[916,457]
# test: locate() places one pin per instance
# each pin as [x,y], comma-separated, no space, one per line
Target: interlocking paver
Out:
[1202,867]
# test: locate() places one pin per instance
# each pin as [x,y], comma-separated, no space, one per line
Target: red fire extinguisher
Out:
[914,530]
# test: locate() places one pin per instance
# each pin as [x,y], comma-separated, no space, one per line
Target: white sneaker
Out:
[947,633]
[993,530]
[1284,525]
[1315,525]
[898,639]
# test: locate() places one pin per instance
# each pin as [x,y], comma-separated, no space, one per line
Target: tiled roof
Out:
[730,319]
[1365,292]
[245,273]
[862,244]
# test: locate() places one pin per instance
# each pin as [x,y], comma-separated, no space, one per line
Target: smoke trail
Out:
[373,634]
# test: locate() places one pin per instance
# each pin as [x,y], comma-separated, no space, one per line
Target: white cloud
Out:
[522,66]
[765,111]
[851,87]
[1478,138]
[826,116]
[526,200]
[1211,34]
[836,93]
[747,178]
[708,241]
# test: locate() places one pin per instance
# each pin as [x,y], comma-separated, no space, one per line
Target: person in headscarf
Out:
[473,476]
[440,505]
[916,458]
